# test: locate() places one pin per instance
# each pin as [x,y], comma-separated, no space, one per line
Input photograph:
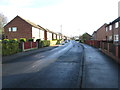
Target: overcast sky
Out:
[75,16]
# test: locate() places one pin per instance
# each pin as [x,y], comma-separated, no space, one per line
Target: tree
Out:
[3,21]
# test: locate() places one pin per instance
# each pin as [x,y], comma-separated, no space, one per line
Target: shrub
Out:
[48,42]
[5,40]
[45,43]
[30,40]
[58,41]
[41,44]
[13,40]
[9,48]
[38,40]
[54,39]
[22,39]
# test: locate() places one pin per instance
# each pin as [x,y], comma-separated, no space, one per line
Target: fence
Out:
[13,47]
[93,43]
[29,45]
[108,48]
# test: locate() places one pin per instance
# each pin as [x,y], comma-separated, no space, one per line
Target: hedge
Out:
[30,40]
[22,39]
[38,40]
[44,43]
[10,47]
[58,41]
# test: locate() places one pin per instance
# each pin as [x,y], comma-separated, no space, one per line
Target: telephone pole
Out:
[61,28]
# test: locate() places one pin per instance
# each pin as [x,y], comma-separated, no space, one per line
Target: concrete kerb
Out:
[9,58]
[82,67]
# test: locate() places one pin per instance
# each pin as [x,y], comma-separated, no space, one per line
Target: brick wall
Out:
[101,33]
[45,35]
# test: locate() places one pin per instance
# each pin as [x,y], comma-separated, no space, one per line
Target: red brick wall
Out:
[113,32]
[45,35]
[24,30]
[109,32]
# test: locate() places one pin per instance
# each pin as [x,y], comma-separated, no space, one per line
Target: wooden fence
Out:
[29,45]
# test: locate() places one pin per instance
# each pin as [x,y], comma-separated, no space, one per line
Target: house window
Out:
[106,29]
[110,27]
[6,37]
[115,37]
[110,37]
[9,29]
[14,29]
[116,25]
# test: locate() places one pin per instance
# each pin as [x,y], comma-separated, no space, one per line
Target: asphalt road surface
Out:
[56,68]
[67,66]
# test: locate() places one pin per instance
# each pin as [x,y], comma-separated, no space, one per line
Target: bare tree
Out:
[3,21]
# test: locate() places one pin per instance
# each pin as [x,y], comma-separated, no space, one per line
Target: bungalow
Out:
[60,35]
[54,36]
[49,34]
[21,28]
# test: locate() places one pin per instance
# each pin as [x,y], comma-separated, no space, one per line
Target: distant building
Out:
[86,36]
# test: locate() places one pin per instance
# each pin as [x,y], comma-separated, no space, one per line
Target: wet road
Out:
[57,68]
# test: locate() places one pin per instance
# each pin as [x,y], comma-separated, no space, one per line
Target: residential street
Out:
[62,67]
[49,44]
[57,68]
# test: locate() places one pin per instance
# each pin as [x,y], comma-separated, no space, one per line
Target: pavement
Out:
[10,58]
[99,71]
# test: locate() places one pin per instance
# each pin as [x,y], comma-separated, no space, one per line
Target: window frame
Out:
[14,28]
[116,37]
[9,29]
[106,29]
[110,27]
[116,24]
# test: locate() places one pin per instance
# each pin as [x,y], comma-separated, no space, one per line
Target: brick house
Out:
[108,32]
[113,30]
[94,35]
[59,35]
[52,35]
[100,34]
[21,28]
[49,35]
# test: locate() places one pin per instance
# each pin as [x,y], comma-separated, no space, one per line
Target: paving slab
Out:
[100,71]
